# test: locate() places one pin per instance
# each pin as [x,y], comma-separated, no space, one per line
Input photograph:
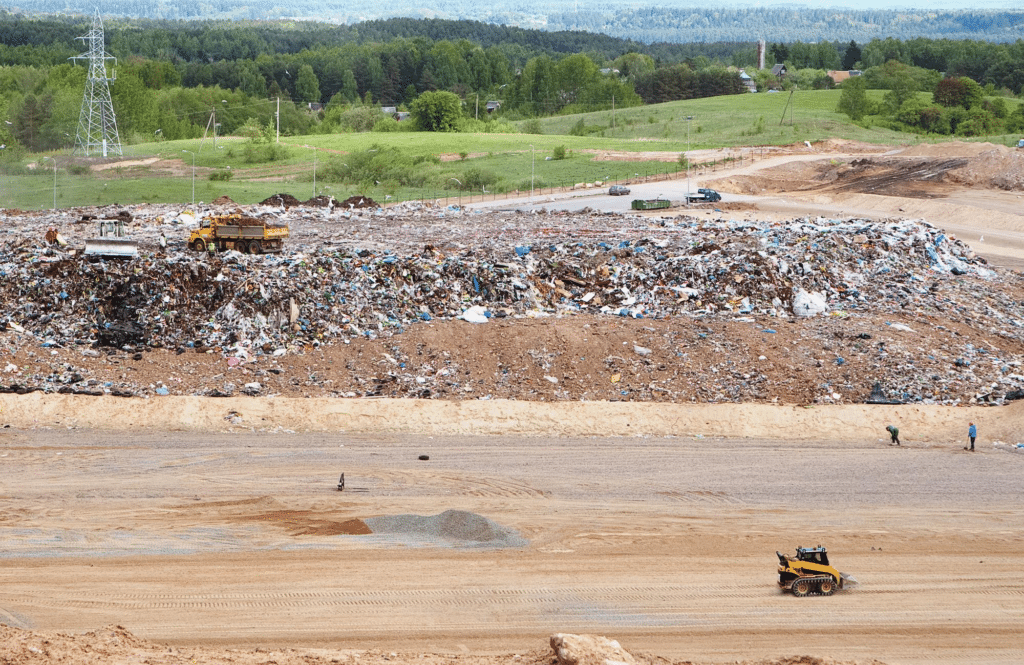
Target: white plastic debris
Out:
[475,314]
[808,303]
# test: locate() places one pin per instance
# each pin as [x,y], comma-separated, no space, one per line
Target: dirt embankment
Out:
[933,424]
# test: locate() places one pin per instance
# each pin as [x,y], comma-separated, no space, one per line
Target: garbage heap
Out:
[449,264]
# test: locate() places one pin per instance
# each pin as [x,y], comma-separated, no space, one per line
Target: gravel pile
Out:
[452,527]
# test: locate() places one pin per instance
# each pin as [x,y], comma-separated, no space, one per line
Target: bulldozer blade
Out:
[113,247]
[849,580]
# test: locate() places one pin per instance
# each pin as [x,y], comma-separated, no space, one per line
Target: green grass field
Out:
[510,161]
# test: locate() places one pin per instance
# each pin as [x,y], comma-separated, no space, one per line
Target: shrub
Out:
[270,152]
[222,175]
[386,124]
[559,152]
[380,164]
[437,111]
[477,179]
[501,127]
[471,126]
[360,118]
[532,126]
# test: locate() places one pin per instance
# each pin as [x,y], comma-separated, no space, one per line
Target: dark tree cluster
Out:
[669,84]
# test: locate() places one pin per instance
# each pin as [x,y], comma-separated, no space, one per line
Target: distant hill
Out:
[709,22]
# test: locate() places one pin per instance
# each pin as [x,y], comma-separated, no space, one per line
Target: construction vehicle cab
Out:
[809,572]
[812,555]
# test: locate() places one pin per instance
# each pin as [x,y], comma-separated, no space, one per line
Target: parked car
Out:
[618,190]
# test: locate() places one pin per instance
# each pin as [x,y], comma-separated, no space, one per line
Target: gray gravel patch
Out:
[452,527]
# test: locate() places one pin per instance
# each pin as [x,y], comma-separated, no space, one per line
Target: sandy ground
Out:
[212,530]
[666,544]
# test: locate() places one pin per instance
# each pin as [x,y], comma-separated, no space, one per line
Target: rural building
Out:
[842,74]
[748,81]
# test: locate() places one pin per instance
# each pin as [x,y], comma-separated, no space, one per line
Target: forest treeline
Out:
[174,80]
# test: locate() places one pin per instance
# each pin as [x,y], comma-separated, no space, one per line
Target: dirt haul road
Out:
[204,542]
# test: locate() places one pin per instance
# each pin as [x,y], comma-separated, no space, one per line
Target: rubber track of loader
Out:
[815,581]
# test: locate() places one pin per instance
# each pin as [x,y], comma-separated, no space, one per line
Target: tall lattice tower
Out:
[97,126]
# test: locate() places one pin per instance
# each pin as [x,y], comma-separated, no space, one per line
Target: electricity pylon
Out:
[97,126]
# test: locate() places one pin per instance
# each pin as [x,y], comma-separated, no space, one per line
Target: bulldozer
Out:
[809,573]
[111,242]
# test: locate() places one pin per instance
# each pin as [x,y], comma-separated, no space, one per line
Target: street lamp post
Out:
[460,190]
[314,172]
[193,175]
[533,170]
[54,180]
[688,119]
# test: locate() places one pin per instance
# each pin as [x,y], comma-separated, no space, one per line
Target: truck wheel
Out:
[242,246]
[255,247]
[199,246]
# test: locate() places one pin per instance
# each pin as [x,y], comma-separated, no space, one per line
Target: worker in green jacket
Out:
[894,432]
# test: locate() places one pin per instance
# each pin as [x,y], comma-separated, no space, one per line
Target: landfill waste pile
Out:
[418,300]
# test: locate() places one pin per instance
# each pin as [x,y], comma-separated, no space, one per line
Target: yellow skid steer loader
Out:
[809,573]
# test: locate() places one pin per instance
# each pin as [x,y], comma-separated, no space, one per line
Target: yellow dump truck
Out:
[238,232]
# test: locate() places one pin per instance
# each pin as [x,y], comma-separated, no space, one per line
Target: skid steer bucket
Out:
[111,242]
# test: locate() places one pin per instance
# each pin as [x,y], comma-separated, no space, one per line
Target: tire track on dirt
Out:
[658,598]
[703,496]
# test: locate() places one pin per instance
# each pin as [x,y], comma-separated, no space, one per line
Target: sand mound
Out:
[452,527]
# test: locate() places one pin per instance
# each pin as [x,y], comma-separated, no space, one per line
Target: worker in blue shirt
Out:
[972,433]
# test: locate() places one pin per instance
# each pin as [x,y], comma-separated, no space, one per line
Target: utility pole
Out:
[278,115]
